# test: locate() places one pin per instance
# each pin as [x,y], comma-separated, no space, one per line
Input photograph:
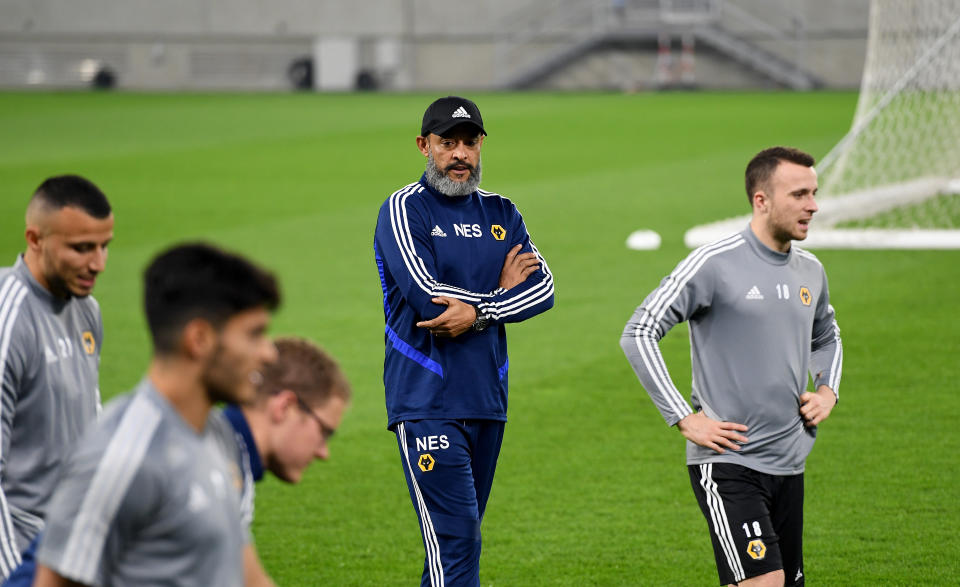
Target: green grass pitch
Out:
[591,487]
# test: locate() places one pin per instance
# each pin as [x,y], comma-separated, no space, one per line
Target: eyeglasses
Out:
[325,430]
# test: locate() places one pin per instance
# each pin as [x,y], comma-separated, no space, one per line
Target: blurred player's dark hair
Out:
[761,167]
[197,280]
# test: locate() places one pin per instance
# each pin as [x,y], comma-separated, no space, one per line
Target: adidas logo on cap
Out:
[446,113]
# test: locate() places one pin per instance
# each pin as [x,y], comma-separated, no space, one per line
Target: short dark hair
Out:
[761,167]
[60,191]
[197,280]
[305,369]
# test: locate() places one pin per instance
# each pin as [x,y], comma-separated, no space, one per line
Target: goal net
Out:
[894,180]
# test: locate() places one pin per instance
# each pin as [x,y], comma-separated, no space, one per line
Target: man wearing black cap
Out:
[456,264]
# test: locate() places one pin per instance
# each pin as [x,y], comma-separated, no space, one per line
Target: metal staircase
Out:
[544,38]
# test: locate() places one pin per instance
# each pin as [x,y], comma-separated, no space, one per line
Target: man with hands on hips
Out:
[760,319]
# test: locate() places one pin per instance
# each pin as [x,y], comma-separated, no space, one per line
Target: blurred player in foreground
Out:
[760,319]
[149,496]
[51,333]
[298,407]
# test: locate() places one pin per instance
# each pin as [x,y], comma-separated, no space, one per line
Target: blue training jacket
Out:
[427,245]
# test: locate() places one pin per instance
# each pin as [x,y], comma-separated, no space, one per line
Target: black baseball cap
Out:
[446,113]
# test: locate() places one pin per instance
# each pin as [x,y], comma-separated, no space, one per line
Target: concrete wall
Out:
[208,17]
[406,44]
[828,38]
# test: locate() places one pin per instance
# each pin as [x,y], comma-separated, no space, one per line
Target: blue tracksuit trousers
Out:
[449,467]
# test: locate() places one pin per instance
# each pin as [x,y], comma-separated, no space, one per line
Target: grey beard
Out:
[439,180]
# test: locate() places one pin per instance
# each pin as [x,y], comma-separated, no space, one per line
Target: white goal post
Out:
[892,181]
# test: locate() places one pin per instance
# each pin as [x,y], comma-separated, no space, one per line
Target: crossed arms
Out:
[460,316]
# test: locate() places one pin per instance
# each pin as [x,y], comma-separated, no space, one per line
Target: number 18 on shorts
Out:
[755,520]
